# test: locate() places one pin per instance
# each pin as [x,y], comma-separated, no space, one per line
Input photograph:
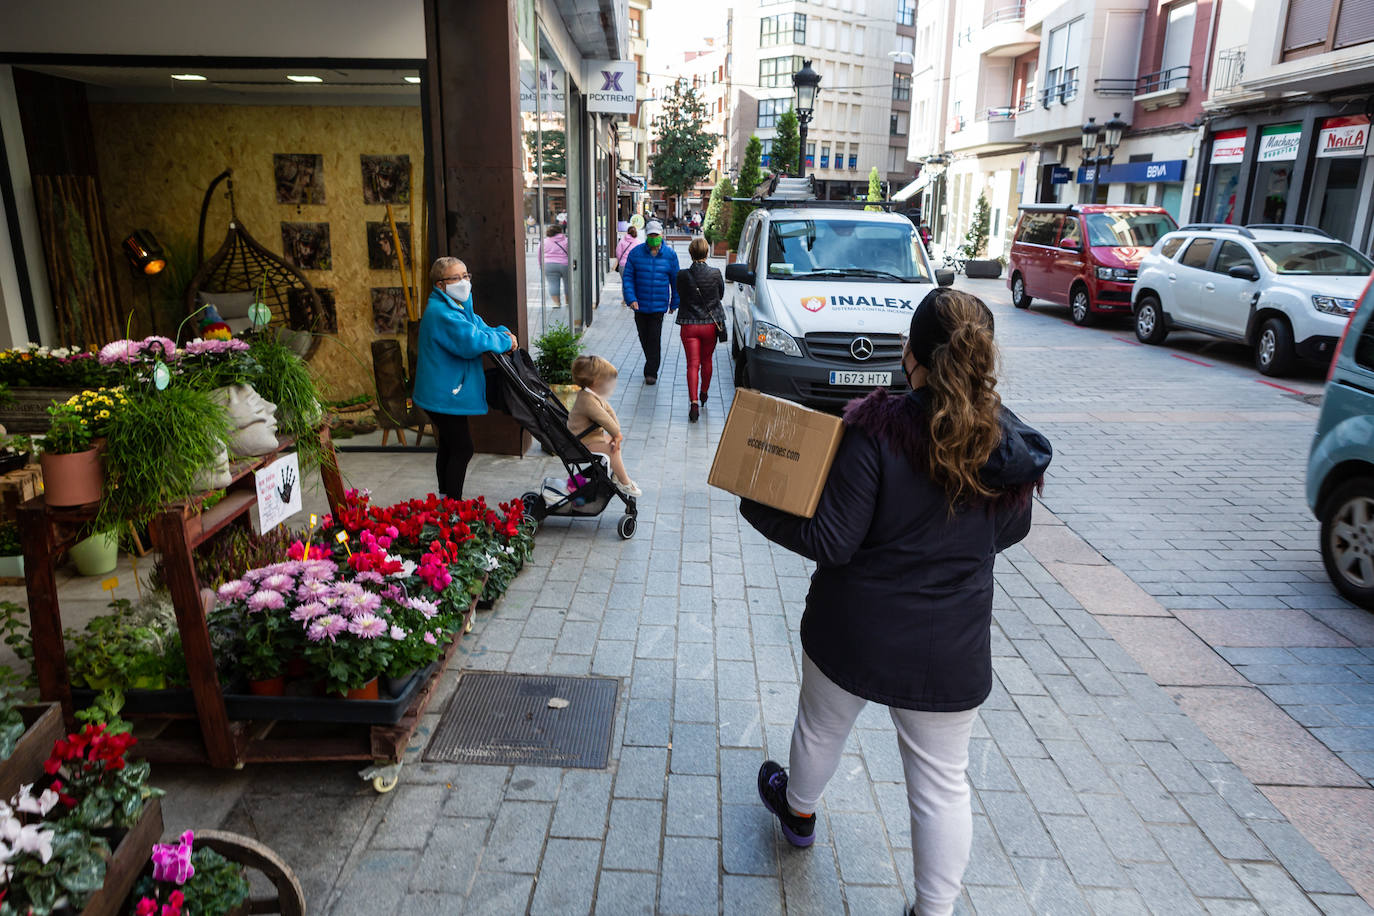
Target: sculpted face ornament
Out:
[861,349]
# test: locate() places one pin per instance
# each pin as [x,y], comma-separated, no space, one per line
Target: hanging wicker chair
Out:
[243,265]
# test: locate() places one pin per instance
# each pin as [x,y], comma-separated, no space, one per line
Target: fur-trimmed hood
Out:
[900,423]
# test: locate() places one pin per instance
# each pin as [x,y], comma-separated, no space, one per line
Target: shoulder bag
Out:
[719,319]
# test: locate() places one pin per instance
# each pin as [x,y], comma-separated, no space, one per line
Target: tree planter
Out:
[719,250]
[97,555]
[983,269]
[73,480]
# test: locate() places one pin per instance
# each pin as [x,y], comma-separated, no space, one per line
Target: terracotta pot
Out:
[297,667]
[366,692]
[270,687]
[73,480]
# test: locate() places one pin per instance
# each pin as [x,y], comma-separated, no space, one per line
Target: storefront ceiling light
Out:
[412,79]
[305,79]
[189,77]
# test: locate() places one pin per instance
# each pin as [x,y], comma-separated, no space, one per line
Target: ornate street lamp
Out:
[1100,142]
[807,84]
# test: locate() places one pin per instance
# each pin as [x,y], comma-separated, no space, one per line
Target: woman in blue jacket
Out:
[449,381]
[649,282]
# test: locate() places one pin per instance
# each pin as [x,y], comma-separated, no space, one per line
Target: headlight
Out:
[1119,274]
[772,338]
[1333,305]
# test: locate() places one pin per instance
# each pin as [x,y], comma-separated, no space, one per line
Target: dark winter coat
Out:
[650,279]
[700,289]
[900,606]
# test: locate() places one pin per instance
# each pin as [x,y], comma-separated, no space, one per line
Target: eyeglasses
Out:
[462,276]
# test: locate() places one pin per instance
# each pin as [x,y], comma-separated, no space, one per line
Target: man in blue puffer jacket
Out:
[649,282]
[449,380]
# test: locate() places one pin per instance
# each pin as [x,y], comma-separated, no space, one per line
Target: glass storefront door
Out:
[1334,200]
[1221,201]
[1272,186]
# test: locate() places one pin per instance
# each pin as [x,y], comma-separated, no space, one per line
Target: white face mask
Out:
[459,289]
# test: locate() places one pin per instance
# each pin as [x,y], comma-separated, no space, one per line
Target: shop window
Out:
[1170,246]
[1272,184]
[1198,253]
[1336,202]
[1232,254]
[1319,26]
[1138,194]
[1222,199]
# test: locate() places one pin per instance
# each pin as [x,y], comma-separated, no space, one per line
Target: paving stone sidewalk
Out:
[1093,791]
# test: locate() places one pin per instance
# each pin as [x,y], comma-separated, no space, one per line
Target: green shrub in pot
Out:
[558,347]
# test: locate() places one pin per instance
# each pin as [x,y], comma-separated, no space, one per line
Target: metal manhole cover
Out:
[503,719]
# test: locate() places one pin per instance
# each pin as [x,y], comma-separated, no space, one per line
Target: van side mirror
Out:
[739,273]
[1070,244]
[1243,272]
[944,277]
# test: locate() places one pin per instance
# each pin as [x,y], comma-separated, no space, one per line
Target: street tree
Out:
[749,178]
[786,144]
[875,187]
[976,239]
[684,145]
[717,223]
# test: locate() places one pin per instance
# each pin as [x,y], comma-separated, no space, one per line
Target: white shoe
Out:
[629,489]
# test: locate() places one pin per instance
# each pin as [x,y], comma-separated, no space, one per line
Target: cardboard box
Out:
[776,452]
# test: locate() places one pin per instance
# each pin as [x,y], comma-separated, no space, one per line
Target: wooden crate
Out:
[126,863]
[17,487]
[25,765]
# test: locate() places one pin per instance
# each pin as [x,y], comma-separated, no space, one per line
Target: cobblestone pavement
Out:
[1175,494]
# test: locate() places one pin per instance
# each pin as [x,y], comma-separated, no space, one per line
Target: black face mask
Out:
[909,373]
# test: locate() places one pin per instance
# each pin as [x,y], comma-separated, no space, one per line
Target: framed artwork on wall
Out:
[306,245]
[388,309]
[381,246]
[300,177]
[386,179]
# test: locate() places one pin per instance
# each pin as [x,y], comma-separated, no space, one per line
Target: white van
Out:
[821,297]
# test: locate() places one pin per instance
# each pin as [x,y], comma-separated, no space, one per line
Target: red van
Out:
[1050,261]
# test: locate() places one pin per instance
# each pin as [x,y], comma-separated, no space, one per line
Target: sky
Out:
[676,26]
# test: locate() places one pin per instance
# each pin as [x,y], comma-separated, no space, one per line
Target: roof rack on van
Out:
[1291,227]
[801,192]
[1238,229]
[1049,208]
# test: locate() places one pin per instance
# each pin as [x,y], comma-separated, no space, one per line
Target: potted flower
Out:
[138,647]
[14,452]
[190,878]
[558,347]
[101,788]
[50,865]
[72,473]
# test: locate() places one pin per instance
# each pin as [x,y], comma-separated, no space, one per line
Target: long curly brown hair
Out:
[965,407]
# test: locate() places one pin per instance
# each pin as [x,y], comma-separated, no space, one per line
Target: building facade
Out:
[633,131]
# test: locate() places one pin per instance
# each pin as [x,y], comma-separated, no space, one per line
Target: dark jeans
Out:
[455,451]
[650,328]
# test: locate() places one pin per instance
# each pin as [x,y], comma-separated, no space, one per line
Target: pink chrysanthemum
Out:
[430,638]
[119,351]
[266,600]
[234,590]
[424,606]
[309,611]
[360,603]
[327,627]
[397,633]
[311,589]
[369,575]
[278,582]
[367,626]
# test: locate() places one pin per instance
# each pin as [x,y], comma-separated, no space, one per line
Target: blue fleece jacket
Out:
[650,280]
[448,374]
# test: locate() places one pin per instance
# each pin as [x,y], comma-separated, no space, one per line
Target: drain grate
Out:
[501,719]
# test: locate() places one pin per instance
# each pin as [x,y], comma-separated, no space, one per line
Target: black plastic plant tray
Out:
[143,702]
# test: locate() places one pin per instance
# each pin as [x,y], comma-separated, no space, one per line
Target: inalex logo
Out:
[612,80]
[813,303]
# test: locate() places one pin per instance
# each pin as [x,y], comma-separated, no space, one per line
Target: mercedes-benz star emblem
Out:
[861,349]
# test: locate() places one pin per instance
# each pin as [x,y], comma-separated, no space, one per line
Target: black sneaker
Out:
[800,831]
[651,379]
[693,412]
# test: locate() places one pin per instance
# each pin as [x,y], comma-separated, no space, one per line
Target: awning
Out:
[628,181]
[916,187]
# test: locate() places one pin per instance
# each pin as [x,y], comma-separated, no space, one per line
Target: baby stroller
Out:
[515,388]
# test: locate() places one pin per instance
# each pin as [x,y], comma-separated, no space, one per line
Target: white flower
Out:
[489,562]
[41,805]
[9,827]
[35,839]
[397,633]
[407,566]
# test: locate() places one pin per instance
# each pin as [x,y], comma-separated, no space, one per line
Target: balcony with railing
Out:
[1229,72]
[1004,32]
[989,127]
[1161,89]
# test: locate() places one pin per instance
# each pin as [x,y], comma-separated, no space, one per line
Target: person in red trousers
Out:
[699,289]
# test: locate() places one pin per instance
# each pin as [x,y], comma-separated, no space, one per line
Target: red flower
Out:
[145,907]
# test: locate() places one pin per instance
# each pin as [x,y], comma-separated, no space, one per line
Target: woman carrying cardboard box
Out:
[926,489]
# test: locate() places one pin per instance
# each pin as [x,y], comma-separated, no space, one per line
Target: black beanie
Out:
[928,329]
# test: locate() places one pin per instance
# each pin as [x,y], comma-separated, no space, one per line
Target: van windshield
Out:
[1328,259]
[1127,228]
[819,249]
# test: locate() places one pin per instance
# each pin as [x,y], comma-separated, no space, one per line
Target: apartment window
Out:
[1061,64]
[634,24]
[776,72]
[896,159]
[825,155]
[811,155]
[901,87]
[1177,46]
[767,153]
[853,156]
[1318,26]
[787,28]
[906,44]
[906,12]
[769,109]
[897,124]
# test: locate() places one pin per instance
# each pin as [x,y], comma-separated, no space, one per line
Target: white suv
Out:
[1285,290]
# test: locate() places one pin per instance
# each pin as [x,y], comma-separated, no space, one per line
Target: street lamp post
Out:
[1101,137]
[807,84]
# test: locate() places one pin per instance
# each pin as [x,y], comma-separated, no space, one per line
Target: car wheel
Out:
[1274,348]
[1347,544]
[1080,309]
[1149,321]
[1019,297]
[742,369]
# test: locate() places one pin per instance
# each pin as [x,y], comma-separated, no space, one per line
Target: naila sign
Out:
[609,85]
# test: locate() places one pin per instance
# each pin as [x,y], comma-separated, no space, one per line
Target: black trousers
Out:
[455,451]
[650,328]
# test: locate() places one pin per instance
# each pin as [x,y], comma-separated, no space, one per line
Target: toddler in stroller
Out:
[597,377]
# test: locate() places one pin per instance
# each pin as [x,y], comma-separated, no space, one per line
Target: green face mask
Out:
[654,243]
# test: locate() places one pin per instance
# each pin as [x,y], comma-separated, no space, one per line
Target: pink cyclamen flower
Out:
[172,862]
[266,600]
[367,626]
[234,590]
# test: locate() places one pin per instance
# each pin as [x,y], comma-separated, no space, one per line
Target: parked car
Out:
[1050,260]
[821,295]
[1286,291]
[1340,467]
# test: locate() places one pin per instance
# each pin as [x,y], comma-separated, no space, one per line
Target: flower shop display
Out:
[190,880]
[72,471]
[93,777]
[46,863]
[137,647]
[252,420]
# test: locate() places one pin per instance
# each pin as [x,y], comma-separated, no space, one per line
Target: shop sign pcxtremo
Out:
[1343,136]
[1228,146]
[1280,143]
[609,85]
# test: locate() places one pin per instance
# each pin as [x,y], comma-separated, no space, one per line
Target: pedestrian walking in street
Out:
[649,283]
[622,249]
[449,380]
[553,254]
[592,407]
[700,319]
[926,489]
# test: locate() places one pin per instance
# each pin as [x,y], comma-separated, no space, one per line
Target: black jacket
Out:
[900,606]
[700,288]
